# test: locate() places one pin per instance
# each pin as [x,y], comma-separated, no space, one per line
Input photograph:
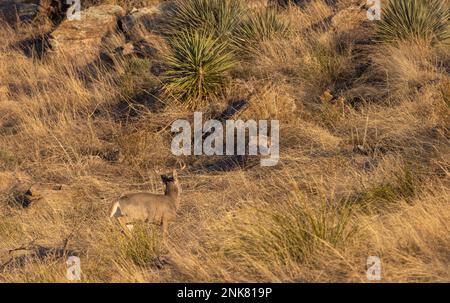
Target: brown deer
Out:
[159,209]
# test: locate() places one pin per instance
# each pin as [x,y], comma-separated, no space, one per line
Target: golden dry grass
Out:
[364,176]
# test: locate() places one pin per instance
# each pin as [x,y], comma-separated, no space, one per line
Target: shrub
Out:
[261,26]
[144,247]
[415,19]
[304,228]
[329,62]
[7,159]
[197,67]
[291,231]
[220,17]
[383,196]
[137,78]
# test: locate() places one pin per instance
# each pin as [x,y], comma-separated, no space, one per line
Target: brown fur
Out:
[149,207]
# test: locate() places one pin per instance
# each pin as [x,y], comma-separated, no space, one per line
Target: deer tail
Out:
[114,208]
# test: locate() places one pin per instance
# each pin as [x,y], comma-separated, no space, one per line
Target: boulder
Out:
[81,40]
[17,11]
[141,27]
[14,11]
[15,184]
[147,17]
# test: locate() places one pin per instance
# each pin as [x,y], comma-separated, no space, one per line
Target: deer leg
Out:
[124,227]
[165,230]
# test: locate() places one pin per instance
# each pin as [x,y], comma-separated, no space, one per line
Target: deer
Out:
[159,209]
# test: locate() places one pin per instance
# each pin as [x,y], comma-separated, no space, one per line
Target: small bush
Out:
[308,227]
[291,231]
[197,67]
[415,19]
[7,159]
[383,196]
[330,63]
[261,26]
[322,65]
[144,247]
[137,78]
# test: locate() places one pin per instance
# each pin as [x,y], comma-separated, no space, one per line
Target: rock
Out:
[14,11]
[42,192]
[81,40]
[14,182]
[141,27]
[148,17]
[150,46]
[38,190]
[127,49]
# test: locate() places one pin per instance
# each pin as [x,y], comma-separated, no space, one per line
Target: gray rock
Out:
[147,18]
[14,11]
[81,40]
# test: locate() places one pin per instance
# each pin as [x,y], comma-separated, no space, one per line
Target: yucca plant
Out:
[197,67]
[415,19]
[219,17]
[261,26]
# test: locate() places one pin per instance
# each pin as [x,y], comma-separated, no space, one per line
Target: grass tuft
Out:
[292,231]
[261,26]
[144,247]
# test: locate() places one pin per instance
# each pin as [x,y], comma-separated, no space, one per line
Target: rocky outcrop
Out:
[141,27]
[81,40]
[147,17]
[13,11]
[17,11]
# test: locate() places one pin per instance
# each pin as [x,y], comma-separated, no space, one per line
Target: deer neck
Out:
[173,192]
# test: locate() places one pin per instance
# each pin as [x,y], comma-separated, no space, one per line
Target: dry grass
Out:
[364,170]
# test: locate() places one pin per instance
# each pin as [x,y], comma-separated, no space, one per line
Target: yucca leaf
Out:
[415,19]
